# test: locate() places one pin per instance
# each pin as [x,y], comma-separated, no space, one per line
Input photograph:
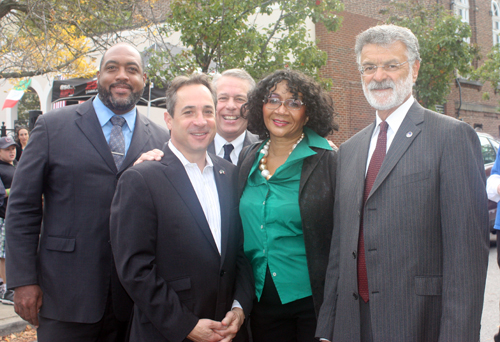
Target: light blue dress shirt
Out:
[104,115]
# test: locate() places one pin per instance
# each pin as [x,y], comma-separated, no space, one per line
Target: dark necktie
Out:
[375,163]
[117,141]
[228,148]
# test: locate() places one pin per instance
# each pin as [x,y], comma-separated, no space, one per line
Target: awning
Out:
[81,89]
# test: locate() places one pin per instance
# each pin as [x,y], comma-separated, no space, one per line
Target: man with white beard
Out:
[409,249]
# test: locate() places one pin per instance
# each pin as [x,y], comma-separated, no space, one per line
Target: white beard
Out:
[400,90]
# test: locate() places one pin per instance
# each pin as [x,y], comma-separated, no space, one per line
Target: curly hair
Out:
[319,105]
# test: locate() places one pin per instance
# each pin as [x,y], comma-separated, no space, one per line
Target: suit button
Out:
[354,255]
[222,273]
[355,295]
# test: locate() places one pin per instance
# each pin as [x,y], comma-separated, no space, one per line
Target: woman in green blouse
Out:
[287,187]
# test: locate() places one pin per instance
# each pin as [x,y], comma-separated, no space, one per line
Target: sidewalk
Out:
[10,322]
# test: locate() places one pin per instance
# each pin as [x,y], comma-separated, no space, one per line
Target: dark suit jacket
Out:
[69,162]
[165,253]
[316,198]
[425,231]
[250,138]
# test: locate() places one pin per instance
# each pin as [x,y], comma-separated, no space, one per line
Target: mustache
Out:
[121,84]
[374,85]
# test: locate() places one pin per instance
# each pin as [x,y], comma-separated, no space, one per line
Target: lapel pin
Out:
[409,134]
[222,172]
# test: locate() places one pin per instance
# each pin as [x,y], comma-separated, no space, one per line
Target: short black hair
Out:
[319,104]
[181,81]
[141,60]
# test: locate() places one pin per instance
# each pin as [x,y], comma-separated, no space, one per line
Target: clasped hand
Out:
[212,331]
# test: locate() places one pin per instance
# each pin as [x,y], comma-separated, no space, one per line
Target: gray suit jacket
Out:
[69,162]
[250,138]
[425,233]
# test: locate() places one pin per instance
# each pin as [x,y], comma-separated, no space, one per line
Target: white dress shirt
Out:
[492,186]
[237,143]
[394,121]
[206,191]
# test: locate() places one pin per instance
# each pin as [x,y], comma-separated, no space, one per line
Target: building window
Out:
[462,10]
[495,14]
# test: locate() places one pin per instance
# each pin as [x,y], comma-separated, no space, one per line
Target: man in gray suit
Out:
[409,250]
[232,87]
[64,276]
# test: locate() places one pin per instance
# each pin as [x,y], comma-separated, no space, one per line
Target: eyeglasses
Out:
[370,69]
[292,104]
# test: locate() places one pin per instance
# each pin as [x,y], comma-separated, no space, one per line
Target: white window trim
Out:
[495,18]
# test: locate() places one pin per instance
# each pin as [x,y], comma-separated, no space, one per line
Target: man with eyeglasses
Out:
[410,246]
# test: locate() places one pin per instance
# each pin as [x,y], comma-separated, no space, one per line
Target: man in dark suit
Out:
[176,233]
[232,87]
[409,250]
[60,260]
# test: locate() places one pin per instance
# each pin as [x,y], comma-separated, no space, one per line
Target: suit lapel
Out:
[89,125]
[360,159]
[140,138]
[177,175]
[222,183]
[211,147]
[308,166]
[407,132]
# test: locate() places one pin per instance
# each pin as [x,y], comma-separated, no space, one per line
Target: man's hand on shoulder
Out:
[205,331]
[332,145]
[155,154]
[27,303]
[232,324]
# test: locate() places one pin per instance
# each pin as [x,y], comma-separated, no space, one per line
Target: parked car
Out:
[489,148]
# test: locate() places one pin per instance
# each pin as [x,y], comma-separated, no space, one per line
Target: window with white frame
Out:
[462,10]
[495,17]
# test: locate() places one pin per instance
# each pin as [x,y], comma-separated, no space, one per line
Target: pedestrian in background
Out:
[22,137]
[8,164]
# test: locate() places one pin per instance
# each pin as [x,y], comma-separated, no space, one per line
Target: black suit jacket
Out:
[316,198]
[69,162]
[165,253]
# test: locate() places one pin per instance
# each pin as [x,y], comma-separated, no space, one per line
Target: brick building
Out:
[354,112]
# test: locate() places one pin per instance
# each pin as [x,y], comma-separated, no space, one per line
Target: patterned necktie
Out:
[117,141]
[227,152]
[375,163]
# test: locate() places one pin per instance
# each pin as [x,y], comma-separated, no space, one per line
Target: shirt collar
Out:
[104,114]
[183,159]
[219,142]
[396,118]
[315,140]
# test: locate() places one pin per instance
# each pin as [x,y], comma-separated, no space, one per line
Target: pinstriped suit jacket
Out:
[425,232]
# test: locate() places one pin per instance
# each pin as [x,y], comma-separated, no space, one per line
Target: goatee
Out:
[120,105]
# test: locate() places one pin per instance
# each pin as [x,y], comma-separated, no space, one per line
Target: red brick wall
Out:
[353,112]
